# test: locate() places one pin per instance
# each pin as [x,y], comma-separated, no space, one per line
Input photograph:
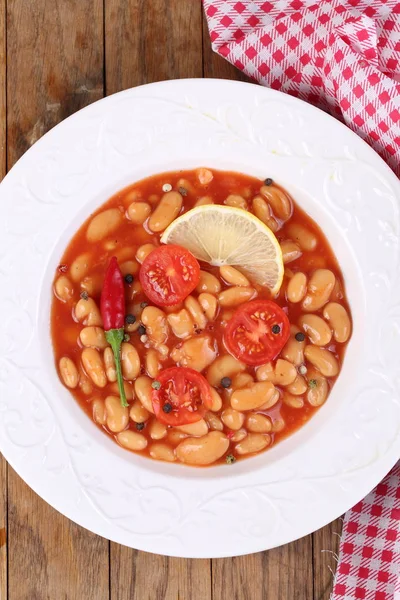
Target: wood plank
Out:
[326,549]
[58,48]
[145,42]
[59,559]
[3,528]
[3,464]
[283,573]
[151,41]
[142,576]
[216,66]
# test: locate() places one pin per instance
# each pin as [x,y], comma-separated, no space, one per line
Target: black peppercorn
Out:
[275,329]
[141,330]
[268,181]
[300,337]
[167,407]
[226,382]
[129,278]
[130,319]
[139,426]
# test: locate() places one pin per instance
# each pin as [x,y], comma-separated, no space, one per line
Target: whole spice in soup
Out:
[141,330]
[226,382]
[300,337]
[130,319]
[129,278]
[112,306]
[230,459]
[268,181]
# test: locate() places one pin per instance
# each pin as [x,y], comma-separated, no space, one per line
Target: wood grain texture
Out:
[281,574]
[60,560]
[153,40]
[3,163]
[325,555]
[3,528]
[138,575]
[54,67]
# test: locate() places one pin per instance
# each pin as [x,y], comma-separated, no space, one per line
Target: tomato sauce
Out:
[124,243]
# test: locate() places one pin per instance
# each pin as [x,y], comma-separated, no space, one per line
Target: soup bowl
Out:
[308,479]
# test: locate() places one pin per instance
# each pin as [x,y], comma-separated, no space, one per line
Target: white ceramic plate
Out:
[303,482]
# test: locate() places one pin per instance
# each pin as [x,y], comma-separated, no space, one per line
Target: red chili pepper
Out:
[112,306]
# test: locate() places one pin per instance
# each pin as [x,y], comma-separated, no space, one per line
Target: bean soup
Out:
[199,317]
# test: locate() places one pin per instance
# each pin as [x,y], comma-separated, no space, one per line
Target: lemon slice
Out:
[222,235]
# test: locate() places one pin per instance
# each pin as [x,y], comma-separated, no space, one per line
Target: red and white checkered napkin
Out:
[369,560]
[341,55]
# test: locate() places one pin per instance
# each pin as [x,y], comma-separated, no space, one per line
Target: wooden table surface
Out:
[57,56]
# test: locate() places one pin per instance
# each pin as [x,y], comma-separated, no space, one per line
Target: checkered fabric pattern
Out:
[369,560]
[342,56]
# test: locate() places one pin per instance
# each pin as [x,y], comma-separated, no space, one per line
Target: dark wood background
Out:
[57,56]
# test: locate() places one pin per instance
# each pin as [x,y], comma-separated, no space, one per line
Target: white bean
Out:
[297,287]
[162,452]
[223,366]
[208,283]
[157,430]
[138,413]
[197,429]
[93,337]
[317,329]
[138,212]
[69,372]
[130,361]
[143,391]
[87,313]
[80,266]
[337,316]
[323,360]
[233,276]
[319,290]
[93,365]
[131,440]
[104,224]
[167,210]
[204,450]
[257,423]
[155,321]
[302,236]
[252,397]
[236,295]
[117,415]
[233,419]
[99,411]
[253,442]
[63,289]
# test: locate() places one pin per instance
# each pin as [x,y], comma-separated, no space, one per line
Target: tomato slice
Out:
[169,274]
[183,397]
[257,332]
